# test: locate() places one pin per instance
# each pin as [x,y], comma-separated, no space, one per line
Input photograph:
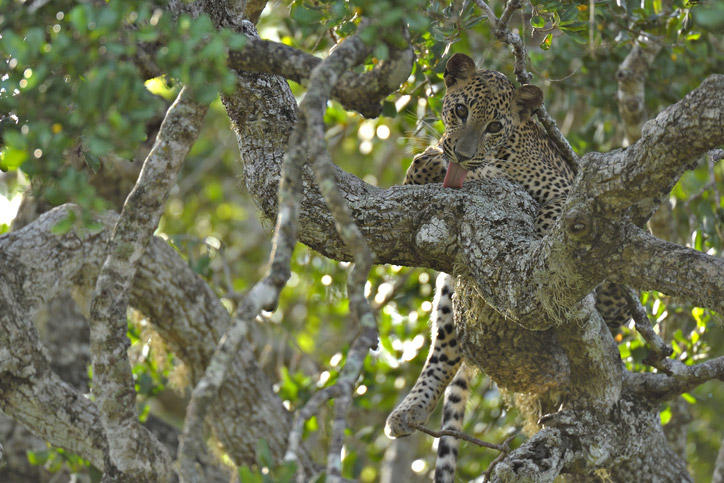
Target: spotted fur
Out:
[441,365]
[488,131]
[456,396]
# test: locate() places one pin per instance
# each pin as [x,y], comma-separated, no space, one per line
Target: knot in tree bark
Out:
[578,225]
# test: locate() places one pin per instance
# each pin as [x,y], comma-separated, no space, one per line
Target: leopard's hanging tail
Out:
[456,397]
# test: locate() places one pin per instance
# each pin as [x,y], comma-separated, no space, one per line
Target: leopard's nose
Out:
[466,147]
[462,156]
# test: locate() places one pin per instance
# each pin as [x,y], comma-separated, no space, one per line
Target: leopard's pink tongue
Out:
[455,176]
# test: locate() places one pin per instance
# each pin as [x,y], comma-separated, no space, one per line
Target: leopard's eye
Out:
[494,127]
[461,111]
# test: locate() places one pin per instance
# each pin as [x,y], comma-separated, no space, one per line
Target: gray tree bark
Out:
[34,260]
[483,234]
[523,303]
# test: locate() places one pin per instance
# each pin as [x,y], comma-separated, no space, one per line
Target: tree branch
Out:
[631,77]
[361,92]
[112,379]
[649,263]
[718,475]
[504,447]
[308,135]
[643,326]
[681,378]
[348,53]
[639,177]
[183,309]
[581,442]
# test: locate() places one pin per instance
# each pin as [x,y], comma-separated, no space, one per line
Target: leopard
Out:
[489,132]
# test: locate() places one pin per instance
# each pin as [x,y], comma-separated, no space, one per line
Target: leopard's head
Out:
[481,108]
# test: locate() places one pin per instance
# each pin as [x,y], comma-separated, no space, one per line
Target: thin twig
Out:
[463,436]
[399,282]
[643,326]
[499,458]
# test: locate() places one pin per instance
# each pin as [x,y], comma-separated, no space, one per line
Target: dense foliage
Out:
[72,96]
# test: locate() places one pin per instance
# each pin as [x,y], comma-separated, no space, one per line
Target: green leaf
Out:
[547,42]
[38,458]
[263,454]
[689,398]
[388,109]
[93,162]
[665,416]
[381,52]
[305,16]
[248,476]
[12,158]
[78,17]
[537,22]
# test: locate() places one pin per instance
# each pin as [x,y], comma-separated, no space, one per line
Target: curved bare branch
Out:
[359,92]
[113,384]
[649,263]
[682,378]
[631,77]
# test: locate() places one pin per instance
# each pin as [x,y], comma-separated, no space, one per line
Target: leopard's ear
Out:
[528,98]
[459,67]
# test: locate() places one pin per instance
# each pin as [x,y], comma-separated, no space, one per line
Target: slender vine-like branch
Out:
[465,437]
[631,77]
[643,326]
[113,385]
[264,295]
[324,76]
[502,32]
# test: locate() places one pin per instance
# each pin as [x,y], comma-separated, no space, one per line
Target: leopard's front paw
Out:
[402,421]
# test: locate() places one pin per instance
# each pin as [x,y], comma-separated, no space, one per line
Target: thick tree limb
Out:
[34,264]
[579,442]
[482,232]
[424,226]
[682,378]
[361,92]
[637,178]
[628,185]
[184,310]
[113,384]
[650,263]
